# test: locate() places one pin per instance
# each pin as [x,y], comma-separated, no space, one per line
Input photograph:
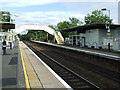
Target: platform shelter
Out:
[94,36]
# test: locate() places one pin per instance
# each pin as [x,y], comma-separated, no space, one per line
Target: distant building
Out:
[6,35]
[9,38]
[95,36]
[119,12]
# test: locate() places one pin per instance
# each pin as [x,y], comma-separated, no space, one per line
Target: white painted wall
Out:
[92,38]
[116,38]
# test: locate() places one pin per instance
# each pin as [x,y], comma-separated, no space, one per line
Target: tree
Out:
[53,27]
[63,25]
[97,17]
[5,16]
[75,22]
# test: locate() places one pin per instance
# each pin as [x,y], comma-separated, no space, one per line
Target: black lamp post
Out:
[108,27]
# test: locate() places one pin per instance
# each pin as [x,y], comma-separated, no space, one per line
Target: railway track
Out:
[73,79]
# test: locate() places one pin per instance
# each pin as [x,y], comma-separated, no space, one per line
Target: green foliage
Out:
[97,17]
[63,25]
[53,27]
[73,22]
[5,16]
[34,34]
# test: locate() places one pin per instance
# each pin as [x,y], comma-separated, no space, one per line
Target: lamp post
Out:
[108,28]
[10,21]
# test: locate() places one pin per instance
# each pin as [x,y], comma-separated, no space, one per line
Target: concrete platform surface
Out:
[12,72]
[21,58]
[45,76]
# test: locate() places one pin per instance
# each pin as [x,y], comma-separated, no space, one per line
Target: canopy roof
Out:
[82,29]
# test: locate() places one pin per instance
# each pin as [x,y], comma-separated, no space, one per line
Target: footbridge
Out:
[58,36]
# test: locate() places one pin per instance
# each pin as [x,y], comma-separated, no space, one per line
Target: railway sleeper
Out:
[61,71]
[70,78]
[64,75]
[81,85]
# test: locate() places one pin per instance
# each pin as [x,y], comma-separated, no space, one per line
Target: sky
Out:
[51,12]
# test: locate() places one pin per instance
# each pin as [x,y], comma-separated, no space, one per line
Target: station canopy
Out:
[82,29]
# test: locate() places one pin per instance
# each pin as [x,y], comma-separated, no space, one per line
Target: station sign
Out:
[108,34]
[7,26]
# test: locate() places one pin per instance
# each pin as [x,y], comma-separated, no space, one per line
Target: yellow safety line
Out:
[24,69]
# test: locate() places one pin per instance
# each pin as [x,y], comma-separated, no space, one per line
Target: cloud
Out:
[24,3]
[46,18]
[88,0]
[42,1]
[87,8]
[78,10]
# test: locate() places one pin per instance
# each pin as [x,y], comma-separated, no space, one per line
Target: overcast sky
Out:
[50,12]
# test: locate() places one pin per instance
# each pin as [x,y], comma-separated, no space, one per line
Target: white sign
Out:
[108,40]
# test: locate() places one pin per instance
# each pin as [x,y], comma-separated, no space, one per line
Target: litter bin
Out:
[10,45]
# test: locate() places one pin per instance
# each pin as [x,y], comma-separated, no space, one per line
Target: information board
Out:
[7,26]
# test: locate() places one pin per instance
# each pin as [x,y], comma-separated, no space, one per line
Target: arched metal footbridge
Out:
[58,36]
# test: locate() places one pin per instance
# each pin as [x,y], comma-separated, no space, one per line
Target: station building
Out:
[94,36]
[8,36]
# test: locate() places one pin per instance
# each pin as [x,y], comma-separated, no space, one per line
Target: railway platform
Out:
[104,54]
[21,68]
[12,71]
